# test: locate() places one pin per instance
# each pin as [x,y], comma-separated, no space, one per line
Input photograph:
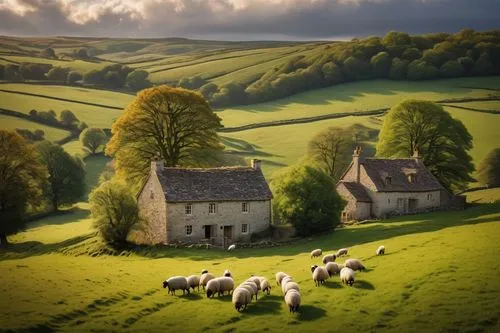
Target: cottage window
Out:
[188,209]
[244,207]
[244,228]
[412,178]
[189,230]
[388,180]
[429,196]
[211,208]
[388,201]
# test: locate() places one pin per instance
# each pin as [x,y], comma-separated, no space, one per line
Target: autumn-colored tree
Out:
[22,177]
[175,123]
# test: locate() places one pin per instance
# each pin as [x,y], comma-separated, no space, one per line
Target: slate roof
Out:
[358,191]
[214,184]
[398,170]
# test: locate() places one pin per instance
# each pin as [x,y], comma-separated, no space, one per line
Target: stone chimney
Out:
[157,164]
[356,163]
[416,155]
[255,164]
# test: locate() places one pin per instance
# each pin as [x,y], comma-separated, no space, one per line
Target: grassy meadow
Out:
[51,133]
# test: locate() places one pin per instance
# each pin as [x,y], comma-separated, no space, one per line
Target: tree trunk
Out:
[3,240]
[54,204]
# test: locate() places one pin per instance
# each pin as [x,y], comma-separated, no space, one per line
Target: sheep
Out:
[265,286]
[329,258]
[354,264]
[204,271]
[256,280]
[347,276]
[332,268]
[241,298]
[279,277]
[380,250]
[319,274]
[205,278]
[291,285]
[316,253]
[342,252]
[292,299]
[225,284]
[227,273]
[251,286]
[285,280]
[175,283]
[231,247]
[213,286]
[193,281]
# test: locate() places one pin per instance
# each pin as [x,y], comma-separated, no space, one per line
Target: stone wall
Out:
[386,203]
[228,213]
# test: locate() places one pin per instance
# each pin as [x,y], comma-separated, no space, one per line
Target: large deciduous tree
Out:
[306,198]
[22,177]
[442,142]
[92,139]
[489,169]
[66,174]
[175,123]
[332,149]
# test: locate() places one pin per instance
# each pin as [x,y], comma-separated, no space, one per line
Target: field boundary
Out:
[471,109]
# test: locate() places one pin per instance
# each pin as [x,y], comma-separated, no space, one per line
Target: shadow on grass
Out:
[266,305]
[362,284]
[333,284]
[192,296]
[310,313]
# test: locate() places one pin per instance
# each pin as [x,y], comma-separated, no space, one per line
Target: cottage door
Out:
[228,232]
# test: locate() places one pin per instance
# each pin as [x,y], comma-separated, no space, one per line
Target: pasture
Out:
[51,133]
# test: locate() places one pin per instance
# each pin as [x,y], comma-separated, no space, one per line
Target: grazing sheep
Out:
[292,299]
[205,278]
[204,271]
[354,264]
[291,285]
[329,258]
[227,273]
[225,284]
[319,274]
[342,252]
[380,250]
[213,286]
[251,286]
[332,268]
[316,253]
[193,281]
[279,277]
[241,298]
[285,280]
[231,247]
[256,280]
[176,283]
[265,286]
[347,276]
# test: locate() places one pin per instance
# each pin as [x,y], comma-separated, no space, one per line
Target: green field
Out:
[429,280]
[51,133]
[75,65]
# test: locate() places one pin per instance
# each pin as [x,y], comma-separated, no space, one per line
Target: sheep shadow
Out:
[224,298]
[192,296]
[310,313]
[268,304]
[333,285]
[362,284]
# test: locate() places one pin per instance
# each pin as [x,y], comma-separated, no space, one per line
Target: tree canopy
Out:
[175,123]
[489,169]
[22,178]
[443,142]
[306,198]
[92,139]
[66,174]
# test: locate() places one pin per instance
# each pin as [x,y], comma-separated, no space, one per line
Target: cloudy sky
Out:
[243,19]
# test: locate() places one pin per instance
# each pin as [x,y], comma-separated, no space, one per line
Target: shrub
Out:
[73,77]
[58,74]
[488,172]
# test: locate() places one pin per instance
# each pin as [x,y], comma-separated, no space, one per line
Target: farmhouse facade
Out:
[383,187]
[219,206]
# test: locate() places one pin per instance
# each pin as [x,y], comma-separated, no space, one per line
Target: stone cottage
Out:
[219,206]
[378,188]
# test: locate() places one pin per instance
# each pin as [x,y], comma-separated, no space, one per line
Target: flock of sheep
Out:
[243,294]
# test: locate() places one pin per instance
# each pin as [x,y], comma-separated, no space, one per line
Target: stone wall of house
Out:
[349,211]
[363,210]
[386,203]
[228,213]
[152,208]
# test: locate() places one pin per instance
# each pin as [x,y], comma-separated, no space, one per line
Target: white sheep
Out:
[193,281]
[354,264]
[205,278]
[265,286]
[213,286]
[285,280]
[251,286]
[329,258]
[291,285]
[341,252]
[319,274]
[292,299]
[176,283]
[347,276]
[225,284]
[380,250]
[231,247]
[241,298]
[332,268]
[279,277]
[256,280]
[227,273]
[316,253]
